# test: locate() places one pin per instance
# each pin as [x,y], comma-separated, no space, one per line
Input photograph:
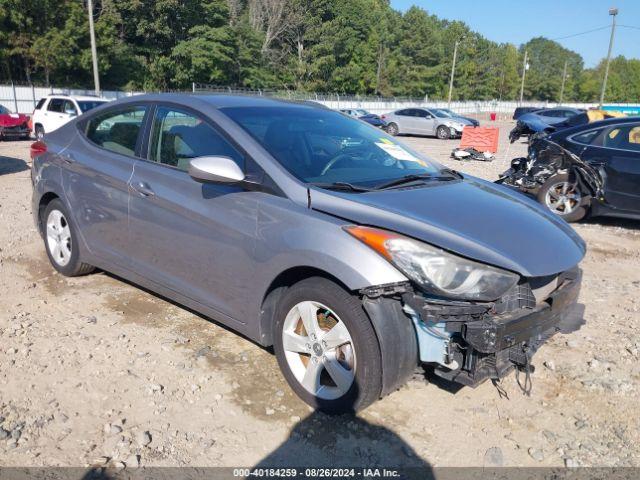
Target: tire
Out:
[60,241]
[356,362]
[39,132]
[443,133]
[392,129]
[564,205]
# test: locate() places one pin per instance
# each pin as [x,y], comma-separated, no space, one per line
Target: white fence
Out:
[23,99]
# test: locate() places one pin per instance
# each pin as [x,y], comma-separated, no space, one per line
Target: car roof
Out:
[218,100]
[590,126]
[81,98]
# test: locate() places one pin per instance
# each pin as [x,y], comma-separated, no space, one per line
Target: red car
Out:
[13,125]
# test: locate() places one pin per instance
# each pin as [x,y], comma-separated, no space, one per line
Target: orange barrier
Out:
[484,139]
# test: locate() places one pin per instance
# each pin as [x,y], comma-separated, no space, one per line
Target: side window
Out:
[117,131]
[69,107]
[179,136]
[403,113]
[55,105]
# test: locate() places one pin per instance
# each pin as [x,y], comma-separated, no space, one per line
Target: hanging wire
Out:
[582,33]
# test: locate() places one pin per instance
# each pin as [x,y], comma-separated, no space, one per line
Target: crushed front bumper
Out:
[19,131]
[480,341]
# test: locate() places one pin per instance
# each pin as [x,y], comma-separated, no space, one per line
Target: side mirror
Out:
[215,169]
[71,113]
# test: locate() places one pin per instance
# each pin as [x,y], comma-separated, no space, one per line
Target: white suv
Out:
[55,110]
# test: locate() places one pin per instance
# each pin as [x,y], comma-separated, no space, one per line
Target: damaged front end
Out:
[547,158]
[471,342]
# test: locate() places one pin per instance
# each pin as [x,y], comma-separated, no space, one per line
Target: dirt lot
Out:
[95,370]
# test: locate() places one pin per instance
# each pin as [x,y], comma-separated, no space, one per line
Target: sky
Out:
[517,21]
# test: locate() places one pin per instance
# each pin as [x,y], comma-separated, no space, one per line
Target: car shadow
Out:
[345,441]
[627,223]
[9,165]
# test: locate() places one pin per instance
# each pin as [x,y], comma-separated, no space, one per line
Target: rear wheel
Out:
[61,242]
[563,198]
[327,348]
[392,129]
[39,132]
[443,132]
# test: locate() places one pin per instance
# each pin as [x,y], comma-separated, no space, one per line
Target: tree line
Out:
[353,47]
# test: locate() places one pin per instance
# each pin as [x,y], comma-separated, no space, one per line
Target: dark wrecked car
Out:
[545,120]
[588,169]
[356,258]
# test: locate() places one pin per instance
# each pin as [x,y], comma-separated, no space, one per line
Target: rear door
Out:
[99,163]
[616,152]
[194,238]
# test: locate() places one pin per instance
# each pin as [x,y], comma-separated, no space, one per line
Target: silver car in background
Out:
[356,258]
[435,122]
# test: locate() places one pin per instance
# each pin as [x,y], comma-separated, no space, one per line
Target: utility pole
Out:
[613,12]
[525,67]
[453,71]
[94,51]
[564,78]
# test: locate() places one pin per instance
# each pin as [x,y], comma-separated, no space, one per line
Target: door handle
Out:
[143,189]
[67,158]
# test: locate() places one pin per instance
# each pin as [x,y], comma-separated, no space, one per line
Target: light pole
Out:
[525,67]
[453,70]
[94,52]
[613,12]
[564,78]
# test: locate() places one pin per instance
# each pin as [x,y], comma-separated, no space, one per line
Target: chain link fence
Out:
[23,99]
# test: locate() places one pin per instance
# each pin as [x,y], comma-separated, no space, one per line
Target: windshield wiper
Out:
[451,175]
[341,186]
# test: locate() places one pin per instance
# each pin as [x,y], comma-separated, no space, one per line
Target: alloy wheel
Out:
[319,350]
[58,237]
[562,198]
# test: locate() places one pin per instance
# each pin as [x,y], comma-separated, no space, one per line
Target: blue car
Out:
[370,118]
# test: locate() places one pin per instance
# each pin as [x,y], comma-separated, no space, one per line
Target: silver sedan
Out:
[436,122]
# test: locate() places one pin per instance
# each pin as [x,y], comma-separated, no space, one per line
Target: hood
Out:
[13,119]
[534,122]
[472,218]
[462,120]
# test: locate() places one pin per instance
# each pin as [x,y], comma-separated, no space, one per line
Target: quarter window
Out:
[117,131]
[179,136]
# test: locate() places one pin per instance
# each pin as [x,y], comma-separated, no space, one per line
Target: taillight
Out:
[383,117]
[37,149]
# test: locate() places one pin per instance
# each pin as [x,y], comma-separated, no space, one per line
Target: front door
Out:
[617,153]
[425,122]
[194,238]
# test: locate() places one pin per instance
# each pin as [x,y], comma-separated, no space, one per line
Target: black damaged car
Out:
[591,169]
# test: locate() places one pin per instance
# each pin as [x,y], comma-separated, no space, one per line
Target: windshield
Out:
[86,105]
[361,113]
[443,113]
[4,110]
[323,146]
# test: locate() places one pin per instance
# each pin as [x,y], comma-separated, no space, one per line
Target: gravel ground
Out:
[96,371]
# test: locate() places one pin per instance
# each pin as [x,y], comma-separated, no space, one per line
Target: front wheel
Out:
[443,133]
[392,129]
[327,348]
[562,197]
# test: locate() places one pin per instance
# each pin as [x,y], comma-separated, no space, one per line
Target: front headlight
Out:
[435,270]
